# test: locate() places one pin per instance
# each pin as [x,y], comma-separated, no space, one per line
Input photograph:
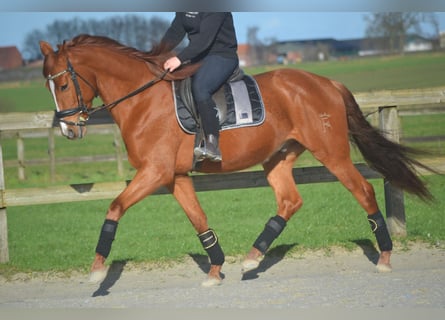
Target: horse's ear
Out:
[46,48]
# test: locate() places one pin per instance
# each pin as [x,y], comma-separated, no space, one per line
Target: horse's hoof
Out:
[384,268]
[98,276]
[251,264]
[211,282]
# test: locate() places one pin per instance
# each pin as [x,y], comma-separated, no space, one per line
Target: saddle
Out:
[238,103]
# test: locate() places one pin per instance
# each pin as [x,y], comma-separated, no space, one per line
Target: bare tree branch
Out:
[131,30]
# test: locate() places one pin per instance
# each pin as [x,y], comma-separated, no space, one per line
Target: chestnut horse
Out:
[303,111]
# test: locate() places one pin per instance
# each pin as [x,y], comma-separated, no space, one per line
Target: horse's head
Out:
[72,76]
[73,93]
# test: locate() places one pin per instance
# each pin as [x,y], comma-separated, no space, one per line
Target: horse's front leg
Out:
[184,192]
[141,186]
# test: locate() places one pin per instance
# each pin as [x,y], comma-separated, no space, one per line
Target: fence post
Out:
[4,252]
[52,154]
[21,157]
[394,201]
[118,149]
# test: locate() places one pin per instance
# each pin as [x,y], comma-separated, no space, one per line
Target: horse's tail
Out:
[393,161]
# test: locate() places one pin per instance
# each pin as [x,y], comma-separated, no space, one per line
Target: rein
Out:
[131,94]
[82,108]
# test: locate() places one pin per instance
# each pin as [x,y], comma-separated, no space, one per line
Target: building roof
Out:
[10,58]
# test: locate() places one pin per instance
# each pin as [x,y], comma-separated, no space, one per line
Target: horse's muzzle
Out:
[72,130]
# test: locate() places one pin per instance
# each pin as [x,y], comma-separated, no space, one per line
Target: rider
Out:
[212,43]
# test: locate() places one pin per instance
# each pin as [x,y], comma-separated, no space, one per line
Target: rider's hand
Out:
[172,64]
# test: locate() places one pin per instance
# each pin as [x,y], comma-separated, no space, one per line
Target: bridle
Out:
[82,109]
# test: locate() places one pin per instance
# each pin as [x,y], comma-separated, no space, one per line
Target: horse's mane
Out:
[154,58]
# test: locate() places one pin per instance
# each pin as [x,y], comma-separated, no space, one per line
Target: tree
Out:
[31,45]
[258,50]
[253,43]
[392,28]
[131,30]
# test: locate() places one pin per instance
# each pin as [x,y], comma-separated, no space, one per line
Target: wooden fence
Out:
[384,102]
[22,126]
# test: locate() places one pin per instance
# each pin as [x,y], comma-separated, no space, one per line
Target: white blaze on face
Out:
[63,125]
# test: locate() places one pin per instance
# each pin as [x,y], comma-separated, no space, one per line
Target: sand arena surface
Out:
[345,279]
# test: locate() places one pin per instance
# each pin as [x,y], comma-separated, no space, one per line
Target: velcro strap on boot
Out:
[208,239]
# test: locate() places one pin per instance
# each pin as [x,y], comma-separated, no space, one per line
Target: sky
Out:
[15,26]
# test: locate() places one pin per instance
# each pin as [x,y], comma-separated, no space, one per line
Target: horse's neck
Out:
[119,77]
[135,109]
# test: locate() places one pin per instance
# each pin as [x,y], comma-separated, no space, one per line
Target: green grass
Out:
[382,73]
[423,125]
[38,175]
[30,96]
[38,147]
[62,237]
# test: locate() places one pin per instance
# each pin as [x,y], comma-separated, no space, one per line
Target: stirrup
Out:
[202,153]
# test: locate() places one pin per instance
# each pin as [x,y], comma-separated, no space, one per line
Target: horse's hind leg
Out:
[363,191]
[279,175]
[184,192]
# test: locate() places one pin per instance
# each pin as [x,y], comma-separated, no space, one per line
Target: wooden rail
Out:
[383,102]
[406,100]
[208,182]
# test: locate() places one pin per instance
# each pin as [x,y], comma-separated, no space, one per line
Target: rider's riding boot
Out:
[209,149]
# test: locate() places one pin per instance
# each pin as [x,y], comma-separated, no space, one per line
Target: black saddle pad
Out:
[239,104]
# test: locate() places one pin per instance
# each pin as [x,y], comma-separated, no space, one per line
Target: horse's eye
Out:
[64,87]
